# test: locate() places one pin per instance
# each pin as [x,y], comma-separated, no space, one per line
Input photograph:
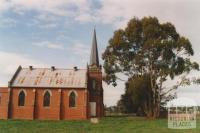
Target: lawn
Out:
[106,125]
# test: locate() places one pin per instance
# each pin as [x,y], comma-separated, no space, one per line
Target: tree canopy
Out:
[148,47]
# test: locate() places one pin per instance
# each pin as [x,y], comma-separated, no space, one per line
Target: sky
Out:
[45,33]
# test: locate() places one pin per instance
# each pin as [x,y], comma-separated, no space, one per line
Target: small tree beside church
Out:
[152,51]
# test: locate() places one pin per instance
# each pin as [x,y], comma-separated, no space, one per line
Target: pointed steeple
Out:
[94,58]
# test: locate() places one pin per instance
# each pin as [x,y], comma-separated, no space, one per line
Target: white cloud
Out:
[45,21]
[113,12]
[72,8]
[118,13]
[7,22]
[10,62]
[86,17]
[47,44]
[3,5]
[76,49]
[79,51]
[55,46]
[79,48]
[49,25]
[46,17]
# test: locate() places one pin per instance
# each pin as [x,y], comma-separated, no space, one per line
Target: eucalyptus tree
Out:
[148,47]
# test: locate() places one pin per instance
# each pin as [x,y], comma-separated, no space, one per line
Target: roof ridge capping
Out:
[55,68]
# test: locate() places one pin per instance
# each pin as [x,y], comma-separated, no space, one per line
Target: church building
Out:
[55,93]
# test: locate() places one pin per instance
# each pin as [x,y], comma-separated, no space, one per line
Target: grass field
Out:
[106,125]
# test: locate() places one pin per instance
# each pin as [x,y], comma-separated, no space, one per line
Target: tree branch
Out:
[120,79]
[173,88]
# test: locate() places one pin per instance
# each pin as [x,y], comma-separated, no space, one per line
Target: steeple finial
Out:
[94,58]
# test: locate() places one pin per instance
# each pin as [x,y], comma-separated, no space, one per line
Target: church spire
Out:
[94,58]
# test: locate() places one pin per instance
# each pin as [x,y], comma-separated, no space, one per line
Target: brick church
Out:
[54,93]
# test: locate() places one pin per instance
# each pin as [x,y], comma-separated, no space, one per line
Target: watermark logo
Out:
[182,113]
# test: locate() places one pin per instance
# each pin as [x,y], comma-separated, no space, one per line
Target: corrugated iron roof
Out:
[46,77]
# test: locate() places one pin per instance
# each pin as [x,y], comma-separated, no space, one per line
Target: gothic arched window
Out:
[21,98]
[93,84]
[46,99]
[72,99]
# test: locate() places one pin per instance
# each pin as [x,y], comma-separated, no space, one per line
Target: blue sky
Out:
[43,33]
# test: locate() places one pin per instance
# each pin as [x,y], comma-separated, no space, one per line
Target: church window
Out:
[93,84]
[72,99]
[21,98]
[46,99]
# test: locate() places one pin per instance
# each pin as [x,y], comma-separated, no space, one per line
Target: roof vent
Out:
[30,67]
[53,68]
[75,68]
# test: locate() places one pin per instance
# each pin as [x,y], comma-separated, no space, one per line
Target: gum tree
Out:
[147,47]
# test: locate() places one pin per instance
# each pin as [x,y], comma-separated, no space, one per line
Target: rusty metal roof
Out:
[46,77]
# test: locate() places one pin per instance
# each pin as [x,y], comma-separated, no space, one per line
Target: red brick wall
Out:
[59,104]
[78,112]
[22,112]
[48,113]
[3,103]
[97,94]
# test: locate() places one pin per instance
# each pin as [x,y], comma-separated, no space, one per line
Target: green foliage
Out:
[137,94]
[126,105]
[147,47]
[138,88]
[146,42]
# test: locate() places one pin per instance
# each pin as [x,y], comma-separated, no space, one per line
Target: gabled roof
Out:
[94,58]
[50,78]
